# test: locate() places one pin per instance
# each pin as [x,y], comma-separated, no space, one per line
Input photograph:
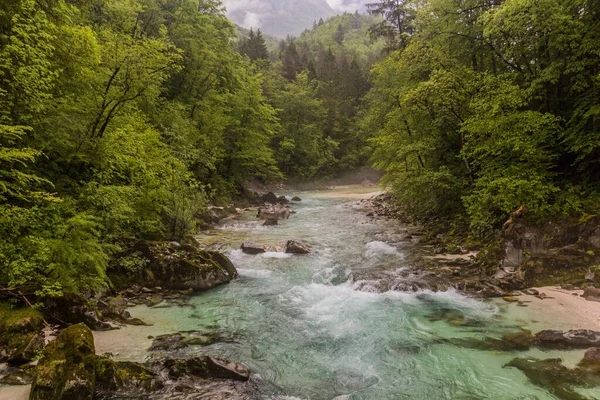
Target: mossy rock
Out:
[67,368]
[20,334]
[21,320]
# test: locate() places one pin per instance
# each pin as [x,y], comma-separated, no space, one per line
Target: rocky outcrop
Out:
[558,251]
[69,369]
[181,267]
[295,247]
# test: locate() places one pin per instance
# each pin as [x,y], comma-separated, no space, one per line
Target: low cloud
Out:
[252,20]
[347,5]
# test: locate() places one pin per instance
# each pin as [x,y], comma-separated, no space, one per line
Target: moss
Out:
[19,319]
[67,367]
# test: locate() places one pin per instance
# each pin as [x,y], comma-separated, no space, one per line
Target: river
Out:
[306,330]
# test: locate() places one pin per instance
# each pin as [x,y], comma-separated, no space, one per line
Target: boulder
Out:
[296,247]
[270,222]
[67,368]
[185,267]
[252,248]
[21,334]
[282,200]
[296,198]
[276,212]
[580,338]
[269,198]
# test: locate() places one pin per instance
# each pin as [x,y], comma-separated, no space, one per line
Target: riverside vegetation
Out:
[123,122]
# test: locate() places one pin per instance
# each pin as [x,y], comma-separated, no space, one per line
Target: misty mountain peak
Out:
[286,17]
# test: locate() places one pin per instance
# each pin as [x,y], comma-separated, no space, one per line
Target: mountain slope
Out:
[286,17]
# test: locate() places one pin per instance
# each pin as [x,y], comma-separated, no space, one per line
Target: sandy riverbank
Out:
[562,309]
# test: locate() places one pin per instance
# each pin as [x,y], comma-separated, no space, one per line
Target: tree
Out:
[398,21]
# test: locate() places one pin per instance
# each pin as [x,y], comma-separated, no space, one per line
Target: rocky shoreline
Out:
[31,349]
[59,360]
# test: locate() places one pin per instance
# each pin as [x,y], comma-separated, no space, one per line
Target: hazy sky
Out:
[281,17]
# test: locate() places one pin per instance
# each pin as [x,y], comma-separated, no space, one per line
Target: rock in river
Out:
[277,212]
[296,247]
[252,248]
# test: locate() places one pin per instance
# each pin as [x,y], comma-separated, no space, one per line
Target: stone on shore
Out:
[183,267]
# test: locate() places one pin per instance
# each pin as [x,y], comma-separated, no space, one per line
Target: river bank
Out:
[340,323]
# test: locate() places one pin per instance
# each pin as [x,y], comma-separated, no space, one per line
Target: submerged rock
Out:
[591,360]
[591,293]
[295,247]
[270,222]
[180,340]
[206,367]
[296,198]
[553,376]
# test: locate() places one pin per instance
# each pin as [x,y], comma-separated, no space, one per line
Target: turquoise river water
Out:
[308,330]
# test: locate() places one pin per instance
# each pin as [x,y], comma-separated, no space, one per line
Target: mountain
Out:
[286,17]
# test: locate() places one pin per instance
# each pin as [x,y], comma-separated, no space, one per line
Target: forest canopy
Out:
[483,106]
[122,120]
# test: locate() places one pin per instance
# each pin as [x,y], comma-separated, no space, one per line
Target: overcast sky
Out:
[264,14]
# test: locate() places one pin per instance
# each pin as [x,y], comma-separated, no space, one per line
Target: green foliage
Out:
[496,105]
